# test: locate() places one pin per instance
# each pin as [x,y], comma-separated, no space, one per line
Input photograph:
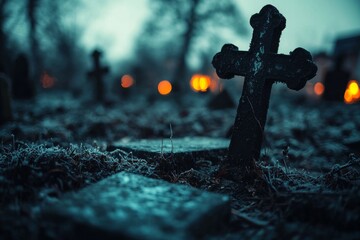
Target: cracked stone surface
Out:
[129,206]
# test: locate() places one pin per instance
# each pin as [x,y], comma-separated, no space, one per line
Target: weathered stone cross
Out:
[97,73]
[261,67]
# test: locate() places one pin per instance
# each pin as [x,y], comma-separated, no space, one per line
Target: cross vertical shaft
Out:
[260,66]
[97,74]
[254,102]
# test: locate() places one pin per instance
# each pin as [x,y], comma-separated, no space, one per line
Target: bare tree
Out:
[32,17]
[181,25]
[3,38]
[60,37]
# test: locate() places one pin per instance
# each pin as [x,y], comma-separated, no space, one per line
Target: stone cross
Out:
[261,66]
[97,73]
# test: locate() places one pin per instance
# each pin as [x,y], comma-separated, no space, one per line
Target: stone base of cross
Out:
[261,66]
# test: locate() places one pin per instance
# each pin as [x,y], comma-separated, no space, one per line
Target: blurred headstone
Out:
[261,67]
[22,85]
[5,100]
[129,206]
[221,100]
[97,74]
[336,81]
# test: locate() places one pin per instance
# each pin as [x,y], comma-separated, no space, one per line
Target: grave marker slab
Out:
[183,151]
[261,66]
[97,74]
[336,81]
[22,86]
[129,206]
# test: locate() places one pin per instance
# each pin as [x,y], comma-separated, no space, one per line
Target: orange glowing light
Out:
[200,83]
[319,88]
[353,88]
[127,81]
[352,93]
[47,81]
[164,87]
[347,96]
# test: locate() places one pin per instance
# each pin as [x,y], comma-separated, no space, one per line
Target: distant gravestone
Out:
[129,206]
[22,86]
[97,74]
[261,67]
[335,82]
[5,100]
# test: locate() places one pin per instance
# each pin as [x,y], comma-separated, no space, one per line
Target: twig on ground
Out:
[336,168]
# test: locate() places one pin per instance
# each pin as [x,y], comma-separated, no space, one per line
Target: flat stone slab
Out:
[187,150]
[129,206]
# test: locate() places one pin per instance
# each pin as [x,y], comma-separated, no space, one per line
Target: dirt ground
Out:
[307,185]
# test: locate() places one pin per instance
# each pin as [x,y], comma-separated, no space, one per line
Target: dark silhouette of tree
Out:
[62,40]
[178,27]
[3,38]
[31,14]
[45,32]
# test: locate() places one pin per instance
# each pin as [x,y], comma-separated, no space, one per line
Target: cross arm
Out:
[230,62]
[101,71]
[293,70]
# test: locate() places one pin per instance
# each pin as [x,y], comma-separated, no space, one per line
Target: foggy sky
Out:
[113,25]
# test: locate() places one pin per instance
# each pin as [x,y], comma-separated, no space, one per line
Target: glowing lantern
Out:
[200,83]
[353,87]
[164,87]
[352,93]
[127,81]
[47,81]
[347,96]
[319,88]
